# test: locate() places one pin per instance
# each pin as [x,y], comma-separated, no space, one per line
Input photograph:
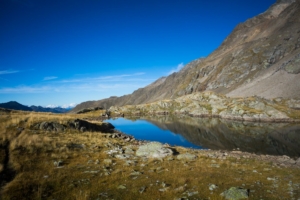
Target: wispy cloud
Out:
[25,89]
[49,78]
[103,78]
[9,72]
[118,84]
[177,69]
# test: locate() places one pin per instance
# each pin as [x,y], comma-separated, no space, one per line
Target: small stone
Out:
[215,165]
[164,184]
[186,156]
[129,162]
[142,189]
[58,163]
[235,193]
[271,179]
[135,173]
[192,193]
[170,158]
[122,156]
[92,172]
[122,187]
[163,189]
[212,187]
[107,161]
[180,189]
[129,151]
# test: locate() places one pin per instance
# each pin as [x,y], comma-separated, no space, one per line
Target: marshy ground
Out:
[82,164]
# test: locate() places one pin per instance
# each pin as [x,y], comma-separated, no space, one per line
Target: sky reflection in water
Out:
[144,130]
[217,134]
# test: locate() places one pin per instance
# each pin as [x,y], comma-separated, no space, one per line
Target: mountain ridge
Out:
[14,105]
[260,57]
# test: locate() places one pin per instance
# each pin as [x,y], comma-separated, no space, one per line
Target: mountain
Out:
[53,110]
[260,57]
[17,106]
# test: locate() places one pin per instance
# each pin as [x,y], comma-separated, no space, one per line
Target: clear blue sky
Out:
[68,51]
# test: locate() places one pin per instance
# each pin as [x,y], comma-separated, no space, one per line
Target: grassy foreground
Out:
[37,164]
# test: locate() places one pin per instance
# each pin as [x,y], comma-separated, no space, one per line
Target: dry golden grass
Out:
[82,175]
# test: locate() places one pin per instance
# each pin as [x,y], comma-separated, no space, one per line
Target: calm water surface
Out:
[142,129]
[260,138]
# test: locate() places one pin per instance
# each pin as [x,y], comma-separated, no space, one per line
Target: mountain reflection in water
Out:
[218,134]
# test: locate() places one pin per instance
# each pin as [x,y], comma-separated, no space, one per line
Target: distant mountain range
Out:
[260,57]
[17,106]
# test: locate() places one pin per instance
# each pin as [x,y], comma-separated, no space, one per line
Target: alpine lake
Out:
[214,133]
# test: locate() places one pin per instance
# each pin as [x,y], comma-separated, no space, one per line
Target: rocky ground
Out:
[78,159]
[209,104]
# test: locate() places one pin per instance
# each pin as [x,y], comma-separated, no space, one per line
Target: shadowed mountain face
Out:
[261,138]
[17,106]
[260,57]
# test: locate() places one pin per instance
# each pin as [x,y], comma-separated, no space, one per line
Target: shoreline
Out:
[231,118]
[277,160]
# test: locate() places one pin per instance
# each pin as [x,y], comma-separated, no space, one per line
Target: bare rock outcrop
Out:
[209,104]
[77,124]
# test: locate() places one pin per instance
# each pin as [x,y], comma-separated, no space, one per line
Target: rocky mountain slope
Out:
[17,106]
[260,57]
[209,104]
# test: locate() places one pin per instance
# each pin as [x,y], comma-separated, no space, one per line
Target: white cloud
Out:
[9,72]
[49,78]
[178,68]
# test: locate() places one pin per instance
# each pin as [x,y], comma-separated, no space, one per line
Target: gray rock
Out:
[215,165]
[58,163]
[129,151]
[135,173]
[107,161]
[276,114]
[142,189]
[122,187]
[192,193]
[122,156]
[163,189]
[297,162]
[186,156]
[153,150]
[129,162]
[83,129]
[235,193]
[91,172]
[212,187]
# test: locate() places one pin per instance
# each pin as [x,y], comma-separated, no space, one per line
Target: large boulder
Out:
[83,125]
[49,126]
[77,124]
[235,193]
[153,150]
